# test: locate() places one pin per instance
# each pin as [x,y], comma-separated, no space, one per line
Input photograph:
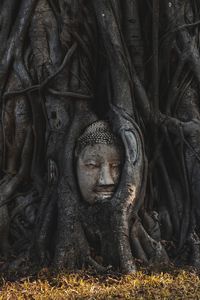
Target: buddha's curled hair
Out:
[98,132]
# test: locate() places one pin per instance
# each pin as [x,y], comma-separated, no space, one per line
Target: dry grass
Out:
[177,284]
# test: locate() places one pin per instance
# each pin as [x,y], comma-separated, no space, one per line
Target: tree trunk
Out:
[66,64]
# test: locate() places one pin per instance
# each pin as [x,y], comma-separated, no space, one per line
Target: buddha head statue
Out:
[99,155]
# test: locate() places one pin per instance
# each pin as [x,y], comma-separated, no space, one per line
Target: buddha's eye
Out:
[115,165]
[92,165]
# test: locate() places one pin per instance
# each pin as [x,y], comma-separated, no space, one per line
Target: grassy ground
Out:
[174,284]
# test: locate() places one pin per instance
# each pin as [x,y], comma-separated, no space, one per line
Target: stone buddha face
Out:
[98,164]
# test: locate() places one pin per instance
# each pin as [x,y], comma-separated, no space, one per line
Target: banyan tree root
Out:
[71,246]
[131,188]
[60,44]
[9,187]
[145,248]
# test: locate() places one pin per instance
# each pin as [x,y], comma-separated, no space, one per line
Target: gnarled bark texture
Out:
[63,65]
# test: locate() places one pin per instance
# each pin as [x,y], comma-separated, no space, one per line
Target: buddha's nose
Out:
[105,176]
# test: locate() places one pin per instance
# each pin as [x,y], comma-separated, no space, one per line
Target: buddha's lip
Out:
[101,196]
[104,195]
[106,192]
[105,189]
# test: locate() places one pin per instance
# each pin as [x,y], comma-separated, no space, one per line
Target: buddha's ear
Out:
[131,146]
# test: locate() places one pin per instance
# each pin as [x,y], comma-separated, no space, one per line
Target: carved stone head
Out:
[99,157]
